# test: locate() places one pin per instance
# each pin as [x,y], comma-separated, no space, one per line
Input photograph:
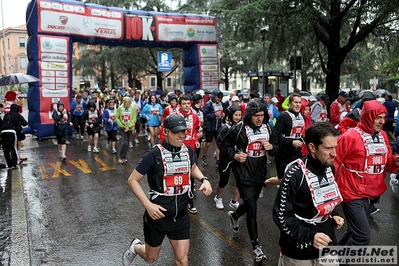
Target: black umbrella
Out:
[17,78]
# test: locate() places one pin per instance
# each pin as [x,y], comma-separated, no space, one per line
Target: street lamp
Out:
[263,32]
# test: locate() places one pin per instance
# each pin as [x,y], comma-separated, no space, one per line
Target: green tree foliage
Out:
[339,26]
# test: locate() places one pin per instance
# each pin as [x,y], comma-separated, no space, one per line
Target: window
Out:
[22,63]
[153,82]
[21,41]
[168,82]
[234,84]
[8,42]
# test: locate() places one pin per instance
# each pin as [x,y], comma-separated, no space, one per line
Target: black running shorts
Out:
[156,230]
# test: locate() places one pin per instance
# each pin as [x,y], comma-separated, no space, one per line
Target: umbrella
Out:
[380,92]
[17,78]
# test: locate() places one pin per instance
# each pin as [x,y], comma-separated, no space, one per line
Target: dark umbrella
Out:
[17,78]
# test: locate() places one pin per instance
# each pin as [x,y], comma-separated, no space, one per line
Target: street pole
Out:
[294,83]
[263,31]
[4,37]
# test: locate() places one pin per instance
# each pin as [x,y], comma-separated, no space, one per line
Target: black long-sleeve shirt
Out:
[254,170]
[293,197]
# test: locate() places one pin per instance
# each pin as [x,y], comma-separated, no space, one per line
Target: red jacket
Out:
[191,131]
[336,109]
[346,124]
[353,181]
[169,110]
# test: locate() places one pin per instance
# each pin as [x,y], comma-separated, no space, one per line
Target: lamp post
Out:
[263,32]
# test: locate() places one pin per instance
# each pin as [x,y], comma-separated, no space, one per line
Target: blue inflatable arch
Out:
[54,25]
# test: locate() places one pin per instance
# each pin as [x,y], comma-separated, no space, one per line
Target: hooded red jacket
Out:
[349,163]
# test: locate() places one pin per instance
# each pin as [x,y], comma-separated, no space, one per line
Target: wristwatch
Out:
[204,178]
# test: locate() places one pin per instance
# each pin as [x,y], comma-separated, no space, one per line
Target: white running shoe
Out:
[219,203]
[234,205]
[136,141]
[130,145]
[95,150]
[130,254]
[89,148]
[63,157]
[259,255]
[77,136]
[393,182]
[114,151]
[81,137]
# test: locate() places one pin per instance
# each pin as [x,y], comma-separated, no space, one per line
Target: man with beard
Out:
[304,206]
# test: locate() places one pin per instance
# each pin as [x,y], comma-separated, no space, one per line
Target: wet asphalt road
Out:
[81,212]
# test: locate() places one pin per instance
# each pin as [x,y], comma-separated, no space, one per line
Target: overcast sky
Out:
[13,13]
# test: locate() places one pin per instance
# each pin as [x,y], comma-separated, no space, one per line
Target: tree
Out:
[341,25]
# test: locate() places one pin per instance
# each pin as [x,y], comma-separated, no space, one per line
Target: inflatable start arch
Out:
[53,26]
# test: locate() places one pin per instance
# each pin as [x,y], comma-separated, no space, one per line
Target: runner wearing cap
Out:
[338,107]
[168,167]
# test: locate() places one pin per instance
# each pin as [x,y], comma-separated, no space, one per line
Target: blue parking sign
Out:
[164,61]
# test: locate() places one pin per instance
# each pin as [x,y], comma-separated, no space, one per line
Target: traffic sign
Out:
[164,61]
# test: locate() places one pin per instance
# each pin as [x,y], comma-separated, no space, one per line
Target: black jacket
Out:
[254,170]
[293,197]
[284,127]
[14,120]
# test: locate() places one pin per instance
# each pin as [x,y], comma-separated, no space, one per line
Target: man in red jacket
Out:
[363,157]
[338,107]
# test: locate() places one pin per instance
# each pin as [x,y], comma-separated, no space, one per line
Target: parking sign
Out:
[164,61]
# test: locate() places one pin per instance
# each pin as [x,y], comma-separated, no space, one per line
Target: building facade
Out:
[13,54]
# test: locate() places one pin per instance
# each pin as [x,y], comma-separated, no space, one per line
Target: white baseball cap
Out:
[312,98]
[275,100]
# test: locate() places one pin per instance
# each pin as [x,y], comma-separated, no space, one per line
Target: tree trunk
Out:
[159,79]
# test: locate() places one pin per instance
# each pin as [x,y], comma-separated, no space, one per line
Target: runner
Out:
[166,206]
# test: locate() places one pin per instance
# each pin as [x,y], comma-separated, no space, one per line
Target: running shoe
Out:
[191,208]
[130,145]
[77,136]
[89,148]
[95,150]
[130,254]
[81,137]
[234,205]
[375,210]
[259,255]
[63,157]
[233,222]
[136,141]
[219,203]
[393,182]
[114,151]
